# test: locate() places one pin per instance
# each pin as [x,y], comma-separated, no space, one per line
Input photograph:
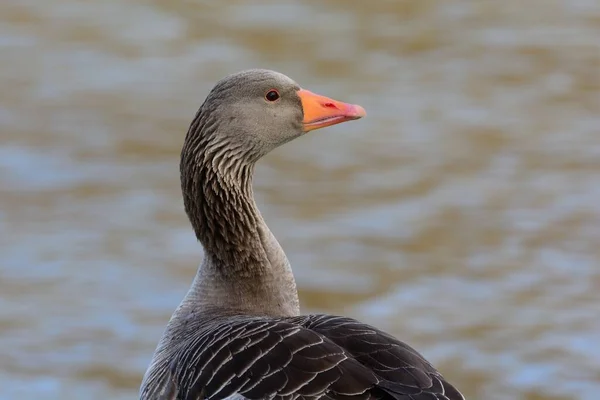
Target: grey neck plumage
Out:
[244,268]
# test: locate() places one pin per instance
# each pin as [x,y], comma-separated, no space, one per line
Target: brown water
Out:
[462,215]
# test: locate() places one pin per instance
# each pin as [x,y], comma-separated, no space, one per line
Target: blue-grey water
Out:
[462,215]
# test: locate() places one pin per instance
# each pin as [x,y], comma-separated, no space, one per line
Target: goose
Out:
[238,332]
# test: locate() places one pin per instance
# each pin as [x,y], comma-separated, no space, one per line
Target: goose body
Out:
[238,333]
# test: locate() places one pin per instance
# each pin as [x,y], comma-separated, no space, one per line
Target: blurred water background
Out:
[463,215]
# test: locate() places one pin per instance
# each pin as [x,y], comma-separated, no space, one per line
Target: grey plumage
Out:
[238,334]
[312,356]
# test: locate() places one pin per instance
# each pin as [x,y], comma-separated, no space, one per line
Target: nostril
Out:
[330,105]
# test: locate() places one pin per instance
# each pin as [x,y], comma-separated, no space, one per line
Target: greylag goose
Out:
[238,333]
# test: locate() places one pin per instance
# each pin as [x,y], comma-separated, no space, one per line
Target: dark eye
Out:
[272,95]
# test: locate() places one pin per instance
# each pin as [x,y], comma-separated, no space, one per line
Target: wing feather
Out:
[308,357]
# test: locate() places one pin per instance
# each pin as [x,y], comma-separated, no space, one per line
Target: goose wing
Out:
[307,357]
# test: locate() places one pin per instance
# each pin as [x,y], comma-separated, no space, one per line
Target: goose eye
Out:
[272,95]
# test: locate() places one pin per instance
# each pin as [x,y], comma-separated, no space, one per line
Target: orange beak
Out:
[321,111]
